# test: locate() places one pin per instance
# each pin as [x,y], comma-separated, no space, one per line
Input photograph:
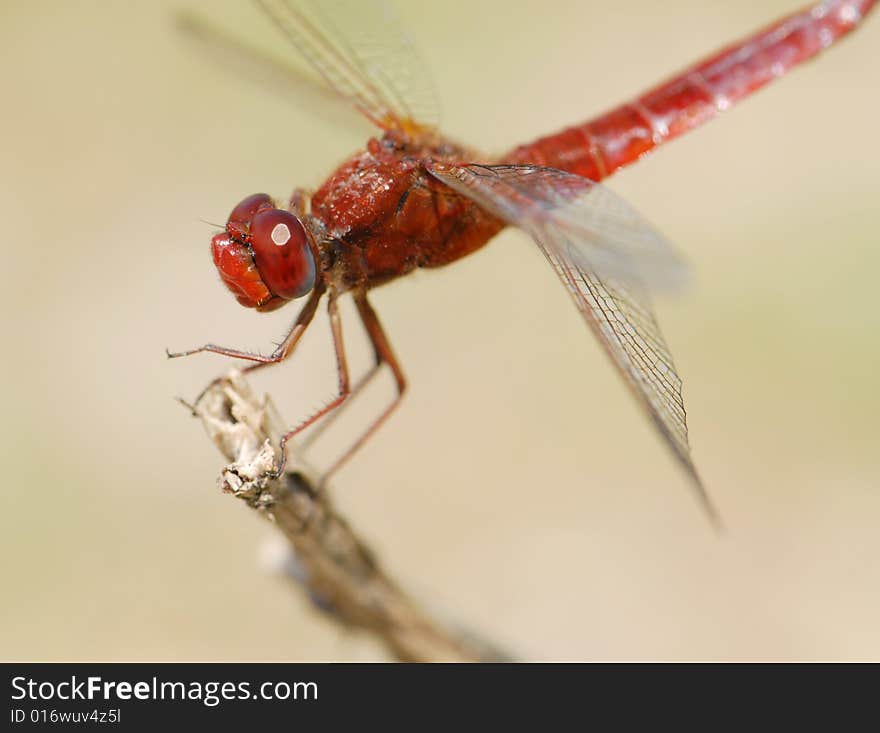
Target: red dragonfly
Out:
[413,198]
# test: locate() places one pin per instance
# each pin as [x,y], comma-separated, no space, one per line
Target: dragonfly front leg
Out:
[281,352]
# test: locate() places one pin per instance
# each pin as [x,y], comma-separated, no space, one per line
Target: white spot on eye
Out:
[850,14]
[281,234]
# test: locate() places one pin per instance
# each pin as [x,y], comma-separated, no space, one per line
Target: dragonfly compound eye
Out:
[239,221]
[264,256]
[282,253]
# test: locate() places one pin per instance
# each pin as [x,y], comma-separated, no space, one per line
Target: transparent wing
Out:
[361,50]
[552,206]
[613,239]
[251,61]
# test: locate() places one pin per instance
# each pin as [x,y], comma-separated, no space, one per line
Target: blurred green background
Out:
[518,487]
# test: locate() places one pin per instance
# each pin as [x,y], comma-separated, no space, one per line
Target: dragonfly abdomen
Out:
[621,136]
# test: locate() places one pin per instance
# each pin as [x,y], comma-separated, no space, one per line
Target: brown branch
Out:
[339,572]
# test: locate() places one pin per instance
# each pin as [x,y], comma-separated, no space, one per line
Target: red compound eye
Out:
[282,253]
[264,256]
[239,220]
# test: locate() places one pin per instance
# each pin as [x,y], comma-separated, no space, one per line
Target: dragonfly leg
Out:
[297,203]
[281,352]
[384,355]
[342,373]
[318,430]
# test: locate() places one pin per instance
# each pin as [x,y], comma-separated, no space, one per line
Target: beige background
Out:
[518,487]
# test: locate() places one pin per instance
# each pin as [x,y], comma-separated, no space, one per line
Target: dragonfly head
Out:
[264,256]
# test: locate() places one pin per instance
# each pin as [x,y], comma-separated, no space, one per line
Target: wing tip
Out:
[706,504]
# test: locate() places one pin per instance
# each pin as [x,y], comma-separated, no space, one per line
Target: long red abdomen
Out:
[598,148]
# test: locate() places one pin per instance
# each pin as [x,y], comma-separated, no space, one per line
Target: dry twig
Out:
[335,567]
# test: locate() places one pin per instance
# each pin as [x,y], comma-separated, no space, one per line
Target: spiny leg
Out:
[318,430]
[342,373]
[281,352]
[384,354]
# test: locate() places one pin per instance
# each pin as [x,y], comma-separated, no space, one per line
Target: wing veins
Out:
[618,312]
